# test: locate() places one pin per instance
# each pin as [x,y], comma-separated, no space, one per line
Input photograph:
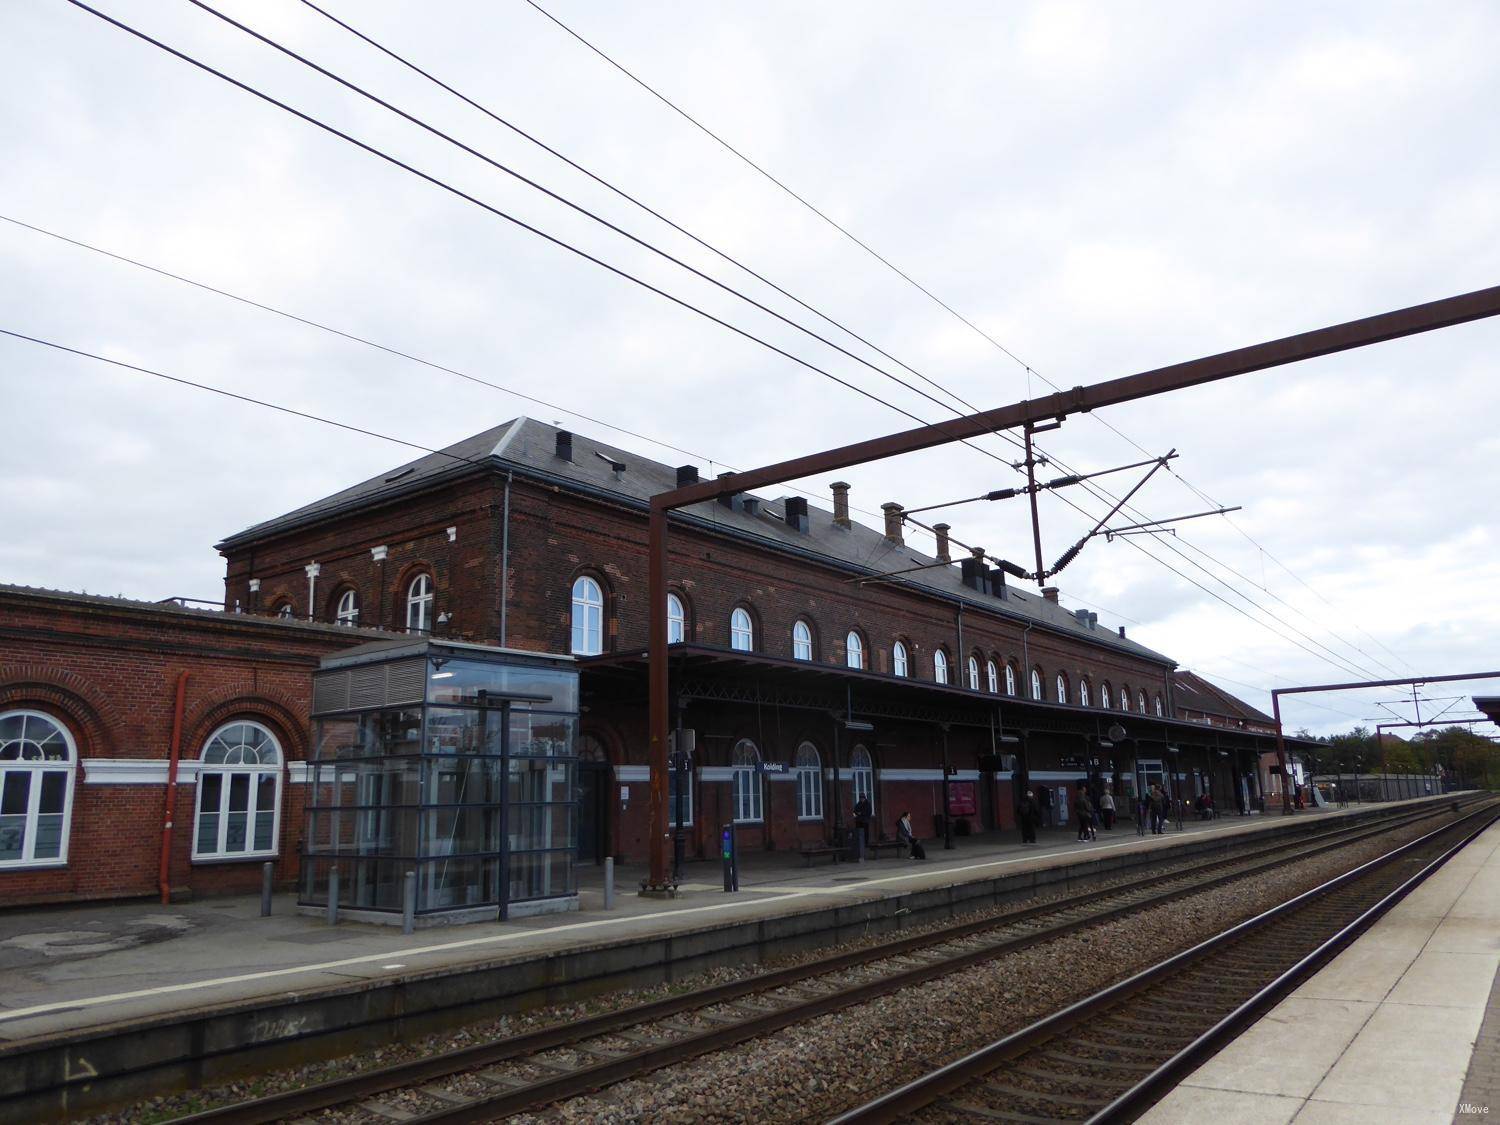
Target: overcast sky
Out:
[1102,188]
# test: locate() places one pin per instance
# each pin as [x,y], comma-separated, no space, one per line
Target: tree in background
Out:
[1459,750]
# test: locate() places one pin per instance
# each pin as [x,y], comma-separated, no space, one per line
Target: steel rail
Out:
[945,1080]
[336,1091]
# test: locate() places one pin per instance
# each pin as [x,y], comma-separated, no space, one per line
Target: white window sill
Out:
[237,857]
[810,819]
[32,864]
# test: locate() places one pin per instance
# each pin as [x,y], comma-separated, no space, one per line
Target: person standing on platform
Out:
[1107,810]
[862,813]
[1084,811]
[1028,814]
[1158,810]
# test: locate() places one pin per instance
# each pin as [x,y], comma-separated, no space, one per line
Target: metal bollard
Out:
[333,896]
[609,882]
[266,875]
[409,902]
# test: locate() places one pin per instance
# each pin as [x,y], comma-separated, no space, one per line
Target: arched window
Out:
[1036,684]
[741,631]
[862,771]
[747,803]
[940,666]
[973,673]
[419,605]
[239,793]
[992,677]
[1010,679]
[1104,700]
[1140,702]
[588,617]
[801,640]
[347,611]
[854,650]
[809,783]
[676,620]
[1124,697]
[900,662]
[284,611]
[1159,711]
[38,762]
[1062,688]
[1083,693]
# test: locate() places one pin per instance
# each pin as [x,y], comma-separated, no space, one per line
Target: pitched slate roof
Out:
[528,447]
[1193,693]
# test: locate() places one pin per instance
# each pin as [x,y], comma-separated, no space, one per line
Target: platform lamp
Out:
[1174,752]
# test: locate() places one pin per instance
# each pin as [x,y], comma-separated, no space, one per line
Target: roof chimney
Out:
[730,500]
[750,505]
[794,511]
[686,475]
[973,570]
[1050,593]
[941,531]
[565,445]
[1122,632]
[840,504]
[892,512]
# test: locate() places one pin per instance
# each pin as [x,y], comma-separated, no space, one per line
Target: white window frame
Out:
[347,611]
[1104,699]
[1125,698]
[1083,693]
[862,777]
[586,619]
[802,648]
[900,660]
[676,620]
[1010,679]
[1062,688]
[809,774]
[419,604]
[741,630]
[939,666]
[286,612]
[1036,686]
[854,650]
[35,769]
[992,677]
[1160,707]
[226,771]
[746,784]
[1140,700]
[973,668]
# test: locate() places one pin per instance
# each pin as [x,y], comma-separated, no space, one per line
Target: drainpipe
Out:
[505,561]
[176,752]
[963,657]
[1025,684]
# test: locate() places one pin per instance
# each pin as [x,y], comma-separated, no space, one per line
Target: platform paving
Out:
[71,968]
[1402,1028]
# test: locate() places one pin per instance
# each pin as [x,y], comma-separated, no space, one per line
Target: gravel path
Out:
[821,1068]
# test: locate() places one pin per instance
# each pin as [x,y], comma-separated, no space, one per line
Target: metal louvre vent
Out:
[367,686]
[406,681]
[330,692]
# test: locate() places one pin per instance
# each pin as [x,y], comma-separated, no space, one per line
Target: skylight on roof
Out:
[399,473]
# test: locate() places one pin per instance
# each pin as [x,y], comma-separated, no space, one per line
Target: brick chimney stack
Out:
[840,504]
[941,531]
[1050,593]
[892,512]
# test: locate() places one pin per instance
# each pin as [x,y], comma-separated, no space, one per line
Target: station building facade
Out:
[802,681]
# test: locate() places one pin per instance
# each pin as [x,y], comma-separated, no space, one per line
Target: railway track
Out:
[506,1076]
[1110,1056]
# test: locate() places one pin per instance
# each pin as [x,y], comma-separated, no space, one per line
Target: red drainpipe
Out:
[166,826]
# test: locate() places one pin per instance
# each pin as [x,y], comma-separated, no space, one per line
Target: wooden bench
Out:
[895,847]
[811,854]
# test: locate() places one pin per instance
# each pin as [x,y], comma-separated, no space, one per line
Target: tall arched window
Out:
[588,617]
[1104,700]
[747,787]
[239,793]
[801,640]
[992,677]
[1140,702]
[284,611]
[1124,697]
[862,771]
[1159,711]
[741,631]
[854,650]
[1083,693]
[676,620]
[1062,688]
[973,673]
[940,666]
[1036,684]
[1010,679]
[900,661]
[37,765]
[419,604]
[347,611]
[809,783]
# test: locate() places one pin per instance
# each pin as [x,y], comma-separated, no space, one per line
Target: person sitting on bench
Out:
[904,834]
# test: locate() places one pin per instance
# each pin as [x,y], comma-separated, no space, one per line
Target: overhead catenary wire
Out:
[911,280]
